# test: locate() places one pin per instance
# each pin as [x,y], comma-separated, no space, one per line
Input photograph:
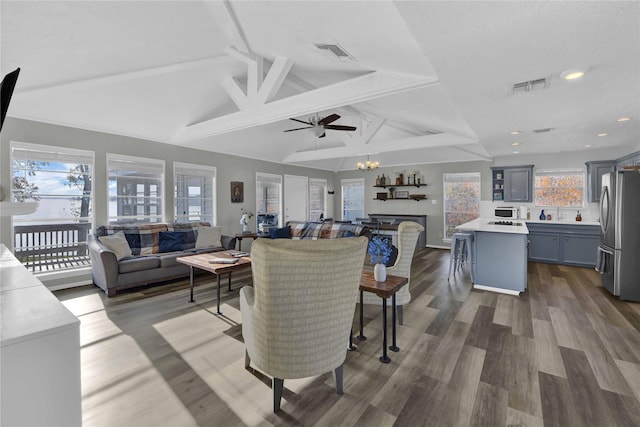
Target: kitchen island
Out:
[499,254]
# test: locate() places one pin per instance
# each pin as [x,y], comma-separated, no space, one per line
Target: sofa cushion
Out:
[142,238]
[169,259]
[190,231]
[208,236]
[118,244]
[280,233]
[138,263]
[170,241]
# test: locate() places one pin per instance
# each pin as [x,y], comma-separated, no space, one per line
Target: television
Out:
[7,85]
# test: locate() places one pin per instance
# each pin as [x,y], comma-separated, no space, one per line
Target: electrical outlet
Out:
[434,202]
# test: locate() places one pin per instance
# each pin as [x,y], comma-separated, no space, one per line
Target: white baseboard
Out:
[499,290]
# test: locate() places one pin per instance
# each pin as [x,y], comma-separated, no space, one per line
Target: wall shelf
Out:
[417,199]
[401,185]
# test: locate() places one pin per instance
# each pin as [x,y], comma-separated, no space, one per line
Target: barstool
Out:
[461,252]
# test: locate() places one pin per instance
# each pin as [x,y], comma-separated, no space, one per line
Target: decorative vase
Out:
[542,215]
[380,272]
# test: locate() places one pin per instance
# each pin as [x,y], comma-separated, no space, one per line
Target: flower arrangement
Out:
[244,219]
[379,249]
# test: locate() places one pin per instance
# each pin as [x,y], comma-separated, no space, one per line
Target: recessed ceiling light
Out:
[603,134]
[516,152]
[588,146]
[572,74]
[515,132]
[515,144]
[623,119]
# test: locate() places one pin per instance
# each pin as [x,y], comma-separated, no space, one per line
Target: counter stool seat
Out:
[461,253]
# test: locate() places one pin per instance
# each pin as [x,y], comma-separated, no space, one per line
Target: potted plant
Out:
[244,219]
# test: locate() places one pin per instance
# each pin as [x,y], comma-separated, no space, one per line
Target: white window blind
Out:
[317,198]
[352,199]
[268,199]
[135,188]
[195,194]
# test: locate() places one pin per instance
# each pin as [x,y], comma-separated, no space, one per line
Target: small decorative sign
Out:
[237,192]
[401,194]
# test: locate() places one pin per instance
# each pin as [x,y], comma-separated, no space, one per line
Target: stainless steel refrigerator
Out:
[619,251]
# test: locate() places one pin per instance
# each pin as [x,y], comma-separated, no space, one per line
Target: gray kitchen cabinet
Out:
[544,247]
[595,170]
[632,159]
[562,243]
[512,183]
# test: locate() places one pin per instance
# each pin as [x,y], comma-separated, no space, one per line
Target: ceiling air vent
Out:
[335,49]
[542,130]
[531,85]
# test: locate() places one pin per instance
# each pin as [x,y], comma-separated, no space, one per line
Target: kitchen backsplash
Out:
[589,213]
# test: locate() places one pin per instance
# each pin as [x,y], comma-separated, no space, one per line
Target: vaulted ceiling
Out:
[423,81]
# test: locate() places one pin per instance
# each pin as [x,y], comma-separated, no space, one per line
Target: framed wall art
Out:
[237,192]
[401,194]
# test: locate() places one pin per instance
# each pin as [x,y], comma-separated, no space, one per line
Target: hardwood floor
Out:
[564,353]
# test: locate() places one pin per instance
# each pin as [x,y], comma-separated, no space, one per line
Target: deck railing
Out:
[48,247]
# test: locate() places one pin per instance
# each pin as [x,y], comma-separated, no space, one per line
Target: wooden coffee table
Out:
[384,290]
[202,261]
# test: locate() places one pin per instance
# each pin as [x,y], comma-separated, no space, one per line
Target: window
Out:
[268,199]
[352,199]
[461,200]
[559,188]
[61,181]
[317,198]
[135,189]
[194,194]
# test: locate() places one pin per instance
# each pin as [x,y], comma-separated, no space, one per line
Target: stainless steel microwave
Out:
[506,212]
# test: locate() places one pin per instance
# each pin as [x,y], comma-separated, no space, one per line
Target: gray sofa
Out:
[147,264]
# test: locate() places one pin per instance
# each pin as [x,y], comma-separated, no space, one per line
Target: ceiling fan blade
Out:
[323,135]
[329,119]
[339,127]
[306,123]
[290,130]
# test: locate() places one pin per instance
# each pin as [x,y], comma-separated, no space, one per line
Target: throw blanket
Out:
[323,230]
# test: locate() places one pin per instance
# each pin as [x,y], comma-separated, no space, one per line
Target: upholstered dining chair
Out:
[297,318]
[408,232]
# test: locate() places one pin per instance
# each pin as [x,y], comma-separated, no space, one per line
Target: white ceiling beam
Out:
[276,76]
[359,89]
[129,75]
[425,141]
[236,93]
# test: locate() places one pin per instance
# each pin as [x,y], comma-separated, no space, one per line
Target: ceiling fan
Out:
[320,124]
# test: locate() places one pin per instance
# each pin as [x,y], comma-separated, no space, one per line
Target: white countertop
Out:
[27,308]
[562,222]
[482,224]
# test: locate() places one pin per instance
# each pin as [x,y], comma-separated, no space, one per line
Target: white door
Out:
[296,193]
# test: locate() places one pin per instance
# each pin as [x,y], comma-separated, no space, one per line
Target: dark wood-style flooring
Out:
[564,353]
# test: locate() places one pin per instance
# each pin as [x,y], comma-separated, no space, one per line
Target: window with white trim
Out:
[194,192]
[268,199]
[352,199]
[135,189]
[317,198]
[60,180]
[559,188]
[461,200]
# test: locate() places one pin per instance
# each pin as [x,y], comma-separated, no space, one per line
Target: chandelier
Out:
[368,165]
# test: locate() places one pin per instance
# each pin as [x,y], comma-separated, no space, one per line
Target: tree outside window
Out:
[461,200]
[559,188]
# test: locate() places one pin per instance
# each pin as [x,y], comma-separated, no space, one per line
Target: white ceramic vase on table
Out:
[380,272]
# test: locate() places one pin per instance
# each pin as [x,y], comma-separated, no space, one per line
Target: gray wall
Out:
[229,168]
[432,207]
[233,168]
